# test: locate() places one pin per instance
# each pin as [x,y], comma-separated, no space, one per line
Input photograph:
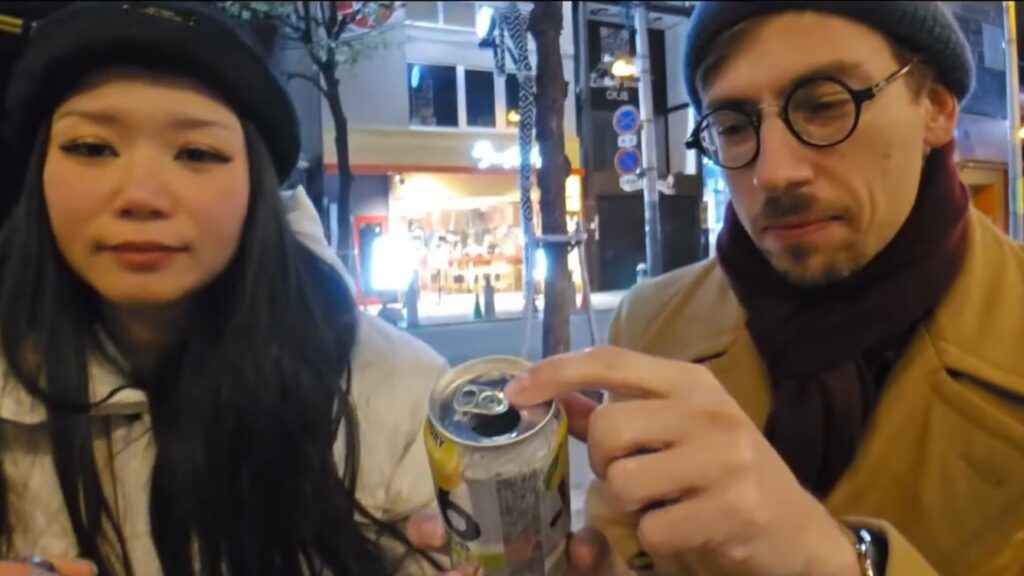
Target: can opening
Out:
[494,425]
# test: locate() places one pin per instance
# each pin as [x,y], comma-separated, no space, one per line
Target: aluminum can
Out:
[501,474]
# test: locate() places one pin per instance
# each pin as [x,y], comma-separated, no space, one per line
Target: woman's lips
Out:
[143,256]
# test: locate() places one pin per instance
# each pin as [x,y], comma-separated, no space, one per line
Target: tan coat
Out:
[941,468]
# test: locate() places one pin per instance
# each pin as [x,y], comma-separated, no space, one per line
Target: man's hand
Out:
[684,455]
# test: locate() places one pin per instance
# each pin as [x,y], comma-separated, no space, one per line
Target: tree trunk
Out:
[345,177]
[552,89]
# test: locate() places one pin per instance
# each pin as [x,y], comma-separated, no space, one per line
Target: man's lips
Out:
[799,228]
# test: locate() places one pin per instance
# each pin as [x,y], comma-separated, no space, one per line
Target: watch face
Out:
[872,549]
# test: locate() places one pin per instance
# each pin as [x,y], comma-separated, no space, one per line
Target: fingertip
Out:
[426,530]
[517,391]
[587,549]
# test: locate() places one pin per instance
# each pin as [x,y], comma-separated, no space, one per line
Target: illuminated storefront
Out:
[445,217]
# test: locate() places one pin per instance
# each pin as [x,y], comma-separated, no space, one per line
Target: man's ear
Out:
[941,113]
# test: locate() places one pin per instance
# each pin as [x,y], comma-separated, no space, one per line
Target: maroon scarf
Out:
[821,345]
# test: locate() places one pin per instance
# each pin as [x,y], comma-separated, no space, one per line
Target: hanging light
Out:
[513,116]
[624,67]
[415,76]
[484,22]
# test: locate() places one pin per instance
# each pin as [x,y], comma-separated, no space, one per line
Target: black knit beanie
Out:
[187,39]
[925,28]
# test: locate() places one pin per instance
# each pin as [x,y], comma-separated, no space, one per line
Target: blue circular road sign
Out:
[627,161]
[626,119]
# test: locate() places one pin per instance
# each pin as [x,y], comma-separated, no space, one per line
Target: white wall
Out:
[294,59]
[375,93]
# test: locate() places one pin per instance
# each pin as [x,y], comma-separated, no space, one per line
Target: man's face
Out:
[819,214]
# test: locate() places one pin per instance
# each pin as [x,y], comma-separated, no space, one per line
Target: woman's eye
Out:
[89,150]
[201,156]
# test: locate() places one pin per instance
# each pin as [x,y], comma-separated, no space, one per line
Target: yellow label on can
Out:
[560,463]
[445,458]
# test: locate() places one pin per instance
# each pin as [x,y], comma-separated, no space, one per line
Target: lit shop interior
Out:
[448,231]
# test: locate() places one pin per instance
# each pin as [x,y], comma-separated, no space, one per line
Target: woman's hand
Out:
[47,567]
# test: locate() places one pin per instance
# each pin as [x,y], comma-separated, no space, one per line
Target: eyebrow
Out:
[182,123]
[834,69]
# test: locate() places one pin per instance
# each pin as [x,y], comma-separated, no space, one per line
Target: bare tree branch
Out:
[330,16]
[318,60]
[307,21]
[310,79]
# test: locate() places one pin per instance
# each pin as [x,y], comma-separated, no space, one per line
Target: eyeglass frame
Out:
[859,97]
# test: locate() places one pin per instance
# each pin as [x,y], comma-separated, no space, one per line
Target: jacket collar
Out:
[973,328]
[106,383]
[979,324]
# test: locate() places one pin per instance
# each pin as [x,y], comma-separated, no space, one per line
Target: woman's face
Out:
[146,183]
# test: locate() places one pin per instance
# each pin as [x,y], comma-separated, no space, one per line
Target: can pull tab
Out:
[479,400]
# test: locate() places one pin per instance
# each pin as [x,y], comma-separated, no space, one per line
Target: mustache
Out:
[790,205]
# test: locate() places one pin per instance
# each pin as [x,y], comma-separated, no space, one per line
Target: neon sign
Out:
[486,156]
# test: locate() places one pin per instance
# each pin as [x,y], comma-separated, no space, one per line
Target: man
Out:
[841,390]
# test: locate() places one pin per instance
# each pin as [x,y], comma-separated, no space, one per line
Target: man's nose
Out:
[782,159]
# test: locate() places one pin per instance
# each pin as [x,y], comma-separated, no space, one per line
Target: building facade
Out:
[433,144]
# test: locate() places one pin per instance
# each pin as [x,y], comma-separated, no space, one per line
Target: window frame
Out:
[500,106]
[441,23]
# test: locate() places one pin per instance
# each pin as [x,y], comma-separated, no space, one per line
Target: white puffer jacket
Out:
[392,374]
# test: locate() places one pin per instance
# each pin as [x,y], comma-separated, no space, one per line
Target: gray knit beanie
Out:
[925,28]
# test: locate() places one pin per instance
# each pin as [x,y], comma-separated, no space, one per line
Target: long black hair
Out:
[245,412]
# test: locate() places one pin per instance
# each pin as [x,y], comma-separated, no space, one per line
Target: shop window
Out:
[459,14]
[480,98]
[452,14]
[433,99]
[511,100]
[426,12]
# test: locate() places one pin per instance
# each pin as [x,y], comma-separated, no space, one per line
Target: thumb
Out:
[425,530]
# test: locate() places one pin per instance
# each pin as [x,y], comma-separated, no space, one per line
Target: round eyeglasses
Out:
[819,111]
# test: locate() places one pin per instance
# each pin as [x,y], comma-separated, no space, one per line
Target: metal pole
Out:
[652,223]
[1015,195]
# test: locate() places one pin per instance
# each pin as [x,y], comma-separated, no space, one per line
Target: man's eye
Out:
[731,129]
[827,105]
[89,150]
[201,156]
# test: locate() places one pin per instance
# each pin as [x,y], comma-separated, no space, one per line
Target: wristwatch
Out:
[872,551]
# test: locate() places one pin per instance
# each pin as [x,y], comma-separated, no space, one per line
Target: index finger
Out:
[617,370]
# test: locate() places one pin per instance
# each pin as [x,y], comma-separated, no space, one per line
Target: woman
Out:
[187,389]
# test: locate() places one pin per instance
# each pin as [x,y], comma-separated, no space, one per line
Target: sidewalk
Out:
[456,308]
